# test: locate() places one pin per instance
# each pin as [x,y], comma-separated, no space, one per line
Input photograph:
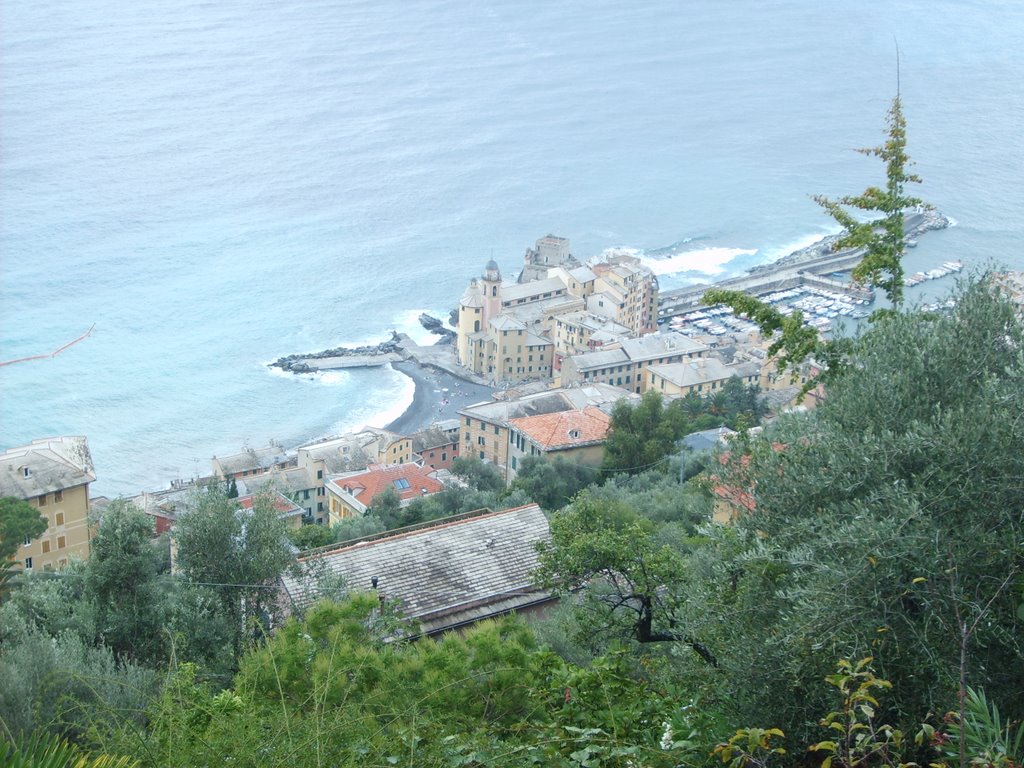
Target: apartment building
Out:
[53,475]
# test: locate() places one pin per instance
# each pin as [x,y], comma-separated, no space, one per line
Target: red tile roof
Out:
[366,485]
[565,429]
[282,503]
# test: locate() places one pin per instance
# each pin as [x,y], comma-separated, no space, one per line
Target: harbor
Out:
[821,306]
[814,281]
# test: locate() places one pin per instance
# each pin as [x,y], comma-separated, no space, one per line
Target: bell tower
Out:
[491,284]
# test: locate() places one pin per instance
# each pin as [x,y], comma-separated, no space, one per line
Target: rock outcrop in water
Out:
[434,325]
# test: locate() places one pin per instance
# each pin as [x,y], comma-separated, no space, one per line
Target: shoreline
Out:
[438,395]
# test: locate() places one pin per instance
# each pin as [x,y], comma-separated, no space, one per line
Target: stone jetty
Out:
[391,351]
[343,357]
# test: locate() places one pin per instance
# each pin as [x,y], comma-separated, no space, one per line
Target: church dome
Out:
[491,271]
[473,297]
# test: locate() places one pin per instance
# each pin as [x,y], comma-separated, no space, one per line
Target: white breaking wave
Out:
[710,261]
[408,322]
[384,406]
[328,378]
[608,253]
[770,255]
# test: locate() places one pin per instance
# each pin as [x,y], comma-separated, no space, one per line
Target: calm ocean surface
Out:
[215,184]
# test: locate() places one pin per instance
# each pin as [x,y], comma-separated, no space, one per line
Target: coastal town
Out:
[530,367]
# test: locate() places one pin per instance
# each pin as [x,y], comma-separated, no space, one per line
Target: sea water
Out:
[210,185]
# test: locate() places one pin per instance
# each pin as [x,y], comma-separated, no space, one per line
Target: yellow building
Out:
[625,364]
[635,290]
[703,375]
[53,475]
[509,332]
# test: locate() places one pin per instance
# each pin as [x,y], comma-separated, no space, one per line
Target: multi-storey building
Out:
[435,448]
[252,461]
[485,426]
[509,332]
[579,332]
[634,289]
[625,364]
[577,436]
[703,375]
[53,475]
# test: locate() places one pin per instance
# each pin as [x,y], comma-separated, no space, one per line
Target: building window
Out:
[28,563]
[481,455]
[321,491]
[469,422]
[42,500]
[319,506]
[58,519]
[62,563]
[61,542]
[481,440]
[58,496]
[400,483]
[444,456]
[513,462]
[319,474]
[496,429]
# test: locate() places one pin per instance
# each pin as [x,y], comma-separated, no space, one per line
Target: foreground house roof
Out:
[446,573]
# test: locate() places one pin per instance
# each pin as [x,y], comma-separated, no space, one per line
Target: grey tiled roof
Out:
[513,292]
[449,573]
[661,345]
[500,411]
[287,481]
[707,439]
[591,361]
[430,438]
[251,459]
[49,464]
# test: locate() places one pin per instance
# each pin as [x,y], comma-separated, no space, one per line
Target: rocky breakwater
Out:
[343,357]
[915,224]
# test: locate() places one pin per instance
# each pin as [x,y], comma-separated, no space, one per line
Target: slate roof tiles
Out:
[448,573]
